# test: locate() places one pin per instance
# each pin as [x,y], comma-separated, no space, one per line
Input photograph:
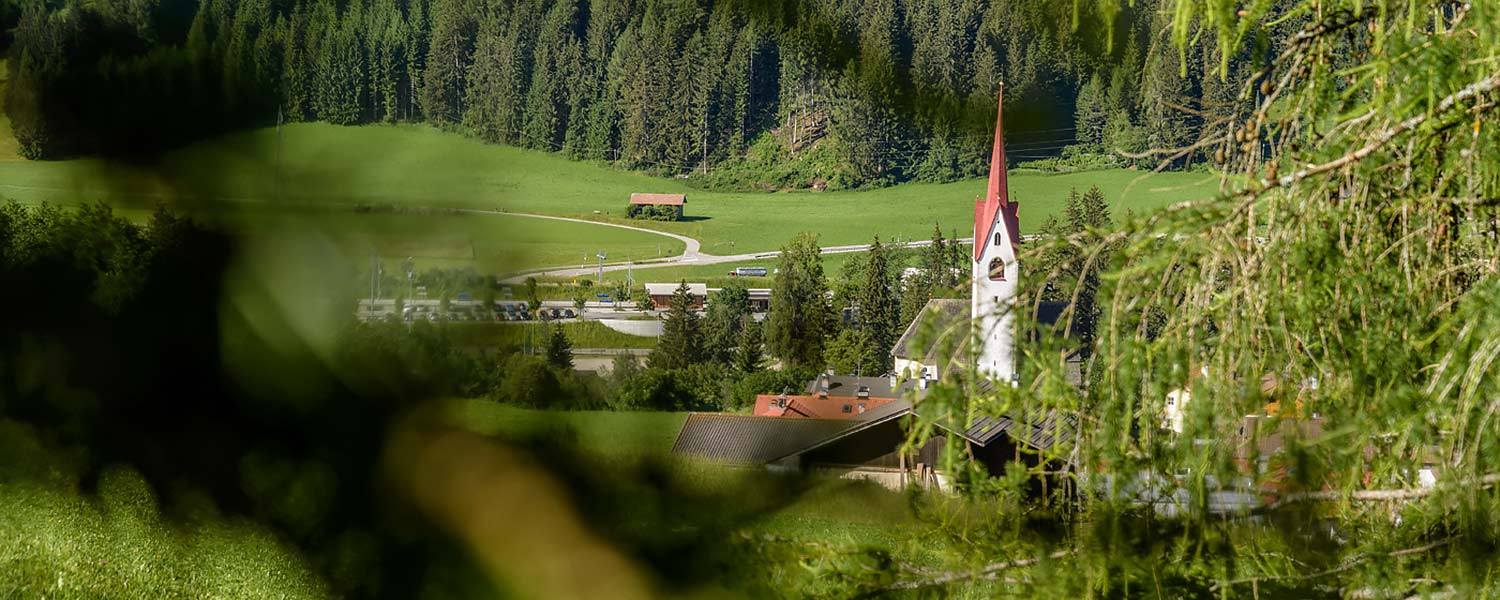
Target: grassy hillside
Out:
[113,541]
[417,165]
[488,243]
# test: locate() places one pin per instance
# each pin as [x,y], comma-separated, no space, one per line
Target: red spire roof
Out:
[997,198]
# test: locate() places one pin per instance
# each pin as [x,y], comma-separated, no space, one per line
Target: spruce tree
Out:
[799,321]
[1092,112]
[721,325]
[878,311]
[681,341]
[559,349]
[747,350]
[450,50]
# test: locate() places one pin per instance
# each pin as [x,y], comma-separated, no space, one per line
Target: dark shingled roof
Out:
[848,385]
[1038,429]
[935,319]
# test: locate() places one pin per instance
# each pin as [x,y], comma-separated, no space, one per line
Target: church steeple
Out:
[996,200]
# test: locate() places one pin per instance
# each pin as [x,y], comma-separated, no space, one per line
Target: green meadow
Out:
[490,244]
[581,334]
[310,165]
[57,541]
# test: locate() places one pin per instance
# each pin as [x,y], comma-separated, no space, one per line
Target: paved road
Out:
[698,258]
[692,250]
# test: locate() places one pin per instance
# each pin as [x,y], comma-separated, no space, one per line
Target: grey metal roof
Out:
[875,416]
[941,318]
[751,440]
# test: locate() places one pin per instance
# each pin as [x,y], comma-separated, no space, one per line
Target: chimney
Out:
[831,371]
[864,392]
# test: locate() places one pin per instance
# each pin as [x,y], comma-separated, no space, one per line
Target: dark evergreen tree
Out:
[450,50]
[879,310]
[721,325]
[681,341]
[747,350]
[799,320]
[559,349]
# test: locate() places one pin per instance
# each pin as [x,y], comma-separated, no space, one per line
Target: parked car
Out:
[568,312]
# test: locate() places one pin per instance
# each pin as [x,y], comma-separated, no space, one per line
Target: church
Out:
[867,443]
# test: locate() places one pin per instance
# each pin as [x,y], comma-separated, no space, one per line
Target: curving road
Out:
[692,244]
[693,255]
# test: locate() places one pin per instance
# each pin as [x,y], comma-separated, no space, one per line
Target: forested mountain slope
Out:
[747,95]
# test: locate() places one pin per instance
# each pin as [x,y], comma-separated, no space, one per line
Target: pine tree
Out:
[721,326]
[450,50]
[1092,112]
[936,260]
[878,311]
[546,115]
[799,320]
[681,341]
[747,349]
[559,349]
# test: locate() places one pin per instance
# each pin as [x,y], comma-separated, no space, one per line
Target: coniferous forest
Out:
[835,93]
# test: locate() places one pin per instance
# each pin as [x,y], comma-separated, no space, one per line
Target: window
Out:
[997,238]
[848,409]
[997,269]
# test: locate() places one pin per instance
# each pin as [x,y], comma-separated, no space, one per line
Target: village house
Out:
[832,396]
[661,207]
[760,299]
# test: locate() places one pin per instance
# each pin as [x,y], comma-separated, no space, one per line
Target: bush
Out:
[531,382]
[651,213]
[653,389]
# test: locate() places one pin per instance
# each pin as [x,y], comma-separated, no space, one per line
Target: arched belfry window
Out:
[997,238]
[997,269]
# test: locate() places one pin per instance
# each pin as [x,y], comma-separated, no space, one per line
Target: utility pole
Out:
[601,267]
[411,273]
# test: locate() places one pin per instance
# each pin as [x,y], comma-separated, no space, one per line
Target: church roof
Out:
[938,322]
[997,198]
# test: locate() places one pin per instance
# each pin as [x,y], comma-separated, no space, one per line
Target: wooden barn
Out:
[662,207]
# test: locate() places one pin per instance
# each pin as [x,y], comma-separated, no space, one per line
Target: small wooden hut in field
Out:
[656,207]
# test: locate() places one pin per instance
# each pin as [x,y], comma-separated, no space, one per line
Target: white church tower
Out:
[997,237]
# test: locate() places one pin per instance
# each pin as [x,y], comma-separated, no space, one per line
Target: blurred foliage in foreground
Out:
[167,417]
[1344,279]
